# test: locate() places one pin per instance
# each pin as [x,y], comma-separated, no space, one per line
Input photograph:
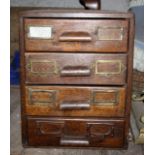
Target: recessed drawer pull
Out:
[75,71]
[74,141]
[75,36]
[73,105]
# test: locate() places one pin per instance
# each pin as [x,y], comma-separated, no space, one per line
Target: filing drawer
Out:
[76,35]
[58,68]
[75,132]
[75,101]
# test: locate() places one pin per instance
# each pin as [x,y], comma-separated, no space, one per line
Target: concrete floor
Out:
[17,149]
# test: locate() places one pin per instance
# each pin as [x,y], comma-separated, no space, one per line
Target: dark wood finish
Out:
[91,4]
[75,14]
[79,35]
[75,101]
[65,97]
[73,132]
[75,36]
[129,77]
[101,69]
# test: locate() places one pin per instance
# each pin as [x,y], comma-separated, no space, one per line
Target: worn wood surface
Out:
[96,69]
[106,35]
[16,147]
[75,101]
[75,132]
[75,69]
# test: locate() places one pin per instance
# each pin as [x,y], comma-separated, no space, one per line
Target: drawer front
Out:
[102,69]
[75,132]
[76,35]
[75,101]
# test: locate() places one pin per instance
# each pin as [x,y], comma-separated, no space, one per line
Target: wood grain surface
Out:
[56,68]
[75,101]
[104,35]
[75,132]
[64,78]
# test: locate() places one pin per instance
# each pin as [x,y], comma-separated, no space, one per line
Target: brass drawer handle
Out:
[75,71]
[75,36]
[68,140]
[74,105]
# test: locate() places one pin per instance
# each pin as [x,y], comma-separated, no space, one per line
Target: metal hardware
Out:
[49,102]
[75,105]
[41,131]
[54,69]
[40,32]
[105,102]
[72,140]
[97,136]
[121,67]
[75,71]
[114,33]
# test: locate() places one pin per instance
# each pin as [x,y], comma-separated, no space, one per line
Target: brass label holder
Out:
[105,102]
[121,67]
[110,33]
[49,102]
[42,73]
[41,124]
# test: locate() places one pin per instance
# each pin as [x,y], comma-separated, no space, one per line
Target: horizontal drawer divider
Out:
[76,85]
[75,118]
[81,52]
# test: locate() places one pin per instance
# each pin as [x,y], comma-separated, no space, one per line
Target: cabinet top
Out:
[76,13]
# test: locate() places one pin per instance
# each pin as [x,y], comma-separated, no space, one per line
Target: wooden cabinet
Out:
[76,73]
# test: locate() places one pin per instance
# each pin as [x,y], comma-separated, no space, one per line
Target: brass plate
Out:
[52,63]
[106,102]
[56,128]
[50,101]
[110,33]
[121,67]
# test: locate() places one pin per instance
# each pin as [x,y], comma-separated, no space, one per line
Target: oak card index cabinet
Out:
[76,69]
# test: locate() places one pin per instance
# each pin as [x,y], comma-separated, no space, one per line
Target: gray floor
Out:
[17,149]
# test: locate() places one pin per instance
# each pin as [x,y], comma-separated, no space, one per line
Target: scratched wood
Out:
[116,132]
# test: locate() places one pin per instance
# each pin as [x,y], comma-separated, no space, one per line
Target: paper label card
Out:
[40,32]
